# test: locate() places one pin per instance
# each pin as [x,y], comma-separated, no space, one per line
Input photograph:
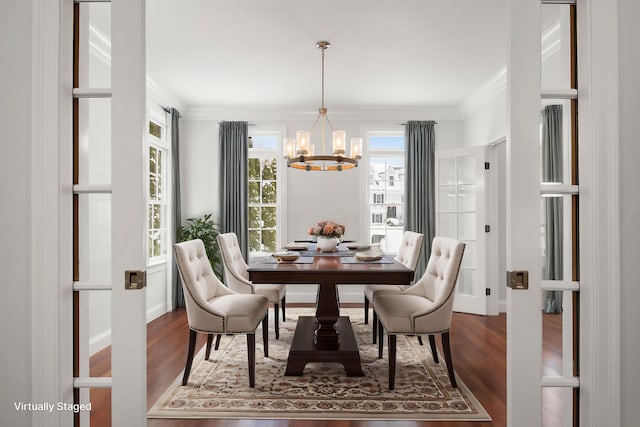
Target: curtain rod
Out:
[248,124]
[404,124]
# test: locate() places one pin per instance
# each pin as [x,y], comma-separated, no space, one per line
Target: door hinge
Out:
[487,291]
[487,165]
[487,228]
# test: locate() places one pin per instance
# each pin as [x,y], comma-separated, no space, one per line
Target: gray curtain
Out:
[420,142]
[233,137]
[176,215]
[552,172]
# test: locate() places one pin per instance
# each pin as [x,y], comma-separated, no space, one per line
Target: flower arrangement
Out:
[327,228]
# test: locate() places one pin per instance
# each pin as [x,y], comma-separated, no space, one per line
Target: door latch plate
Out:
[518,279]
[135,279]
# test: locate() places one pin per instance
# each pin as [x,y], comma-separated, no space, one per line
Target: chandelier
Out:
[299,152]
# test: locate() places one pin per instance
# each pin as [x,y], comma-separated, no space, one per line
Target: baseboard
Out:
[103,339]
[502,306]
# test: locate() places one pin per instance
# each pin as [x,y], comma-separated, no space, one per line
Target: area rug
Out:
[219,387]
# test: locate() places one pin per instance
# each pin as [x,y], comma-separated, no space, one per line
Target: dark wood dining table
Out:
[327,336]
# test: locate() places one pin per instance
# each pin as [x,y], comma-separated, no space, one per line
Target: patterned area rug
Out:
[219,387]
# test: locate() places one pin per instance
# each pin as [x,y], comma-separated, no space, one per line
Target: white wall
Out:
[629,34]
[15,172]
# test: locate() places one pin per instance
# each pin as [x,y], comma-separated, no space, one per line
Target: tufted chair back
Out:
[236,276]
[438,284]
[410,247]
[199,283]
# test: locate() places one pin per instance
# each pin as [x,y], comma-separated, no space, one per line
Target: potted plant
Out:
[205,229]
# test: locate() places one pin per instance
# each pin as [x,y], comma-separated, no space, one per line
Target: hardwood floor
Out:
[478,348]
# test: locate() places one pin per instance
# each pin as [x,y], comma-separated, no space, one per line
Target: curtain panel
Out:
[420,142]
[176,213]
[234,211]
[552,172]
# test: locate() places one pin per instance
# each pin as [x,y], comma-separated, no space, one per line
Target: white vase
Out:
[327,243]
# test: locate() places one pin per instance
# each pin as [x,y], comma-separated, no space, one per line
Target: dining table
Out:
[327,336]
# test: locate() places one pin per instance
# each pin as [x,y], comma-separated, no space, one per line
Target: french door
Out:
[530,381]
[110,205]
[461,215]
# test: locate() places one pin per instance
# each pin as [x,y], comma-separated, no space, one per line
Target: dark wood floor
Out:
[478,351]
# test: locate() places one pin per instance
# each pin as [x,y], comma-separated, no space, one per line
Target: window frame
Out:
[277,153]
[395,131]
[157,115]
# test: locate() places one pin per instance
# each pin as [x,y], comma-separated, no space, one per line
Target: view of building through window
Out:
[386,190]
[263,194]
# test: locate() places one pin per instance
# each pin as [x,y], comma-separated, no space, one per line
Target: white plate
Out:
[364,256]
[297,246]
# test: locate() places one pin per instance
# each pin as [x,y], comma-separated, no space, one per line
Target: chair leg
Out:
[375,325]
[392,361]
[276,312]
[208,351]
[192,348]
[366,310]
[447,357]
[420,339]
[284,301]
[217,341]
[251,349]
[265,335]
[380,339]
[434,349]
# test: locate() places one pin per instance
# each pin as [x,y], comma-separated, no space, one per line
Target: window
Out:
[158,194]
[264,193]
[386,189]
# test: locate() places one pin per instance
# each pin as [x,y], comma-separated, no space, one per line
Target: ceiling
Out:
[384,54]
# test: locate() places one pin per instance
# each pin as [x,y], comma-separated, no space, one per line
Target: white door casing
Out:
[461,214]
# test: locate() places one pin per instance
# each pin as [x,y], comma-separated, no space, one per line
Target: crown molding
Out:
[277,114]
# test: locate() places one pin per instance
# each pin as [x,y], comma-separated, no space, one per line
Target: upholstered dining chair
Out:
[426,307]
[236,277]
[408,255]
[212,308]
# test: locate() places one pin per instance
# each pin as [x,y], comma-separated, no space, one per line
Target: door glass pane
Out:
[447,171]
[466,282]
[555,141]
[447,198]
[448,225]
[466,198]
[467,226]
[467,170]
[469,258]
[94,130]
[95,45]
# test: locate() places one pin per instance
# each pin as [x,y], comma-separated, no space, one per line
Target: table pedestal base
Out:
[304,350]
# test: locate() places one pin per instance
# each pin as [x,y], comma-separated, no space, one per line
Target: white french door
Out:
[110,204]
[461,215]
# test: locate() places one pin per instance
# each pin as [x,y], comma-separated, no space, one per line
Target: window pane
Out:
[447,171]
[269,192]
[448,225]
[254,169]
[152,160]
[467,226]
[155,130]
[254,217]
[269,217]
[254,192]
[254,240]
[153,187]
[269,169]
[265,142]
[269,240]
[391,143]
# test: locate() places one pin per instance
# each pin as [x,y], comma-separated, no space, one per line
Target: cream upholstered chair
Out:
[408,255]
[236,277]
[426,307]
[212,308]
